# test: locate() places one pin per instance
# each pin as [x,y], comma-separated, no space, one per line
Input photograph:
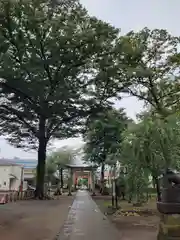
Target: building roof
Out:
[27,163]
[78,162]
[7,162]
[80,166]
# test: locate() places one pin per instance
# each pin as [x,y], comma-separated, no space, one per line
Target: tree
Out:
[153,78]
[59,159]
[130,160]
[153,145]
[58,66]
[103,137]
[50,171]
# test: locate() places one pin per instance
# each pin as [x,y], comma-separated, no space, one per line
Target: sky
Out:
[126,15]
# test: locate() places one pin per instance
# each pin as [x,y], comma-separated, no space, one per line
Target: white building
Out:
[11,175]
[29,166]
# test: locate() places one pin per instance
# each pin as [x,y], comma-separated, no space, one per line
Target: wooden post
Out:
[93,183]
[70,182]
[113,187]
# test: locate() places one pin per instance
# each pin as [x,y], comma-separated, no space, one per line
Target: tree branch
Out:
[21,94]
[140,97]
[21,117]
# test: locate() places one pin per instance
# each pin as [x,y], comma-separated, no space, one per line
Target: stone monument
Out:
[169,207]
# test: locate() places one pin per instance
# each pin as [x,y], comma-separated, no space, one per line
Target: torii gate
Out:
[74,171]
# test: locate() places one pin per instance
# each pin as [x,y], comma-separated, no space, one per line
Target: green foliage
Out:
[58,159]
[153,140]
[61,157]
[58,66]
[154,78]
[151,147]
[50,170]
[137,183]
[50,58]
[56,162]
[137,176]
[104,135]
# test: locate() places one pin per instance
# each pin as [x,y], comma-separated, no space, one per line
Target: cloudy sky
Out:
[126,15]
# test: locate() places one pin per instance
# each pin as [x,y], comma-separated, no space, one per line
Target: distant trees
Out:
[103,138]
[149,148]
[56,163]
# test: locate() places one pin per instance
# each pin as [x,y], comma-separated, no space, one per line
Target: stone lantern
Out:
[169,207]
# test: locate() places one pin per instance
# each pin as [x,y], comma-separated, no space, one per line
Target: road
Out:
[85,221]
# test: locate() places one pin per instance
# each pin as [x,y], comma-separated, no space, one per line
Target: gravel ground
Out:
[34,219]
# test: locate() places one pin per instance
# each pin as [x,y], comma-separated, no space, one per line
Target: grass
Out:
[133,222]
[125,206]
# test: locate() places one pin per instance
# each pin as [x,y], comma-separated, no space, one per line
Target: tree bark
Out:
[158,190]
[70,183]
[62,180]
[102,178]
[39,193]
[131,193]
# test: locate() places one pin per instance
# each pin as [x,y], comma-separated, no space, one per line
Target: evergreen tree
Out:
[104,137]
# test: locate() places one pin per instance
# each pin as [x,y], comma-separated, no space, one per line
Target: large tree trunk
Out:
[39,193]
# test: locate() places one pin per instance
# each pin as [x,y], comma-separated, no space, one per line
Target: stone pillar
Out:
[169,227]
[70,177]
[169,208]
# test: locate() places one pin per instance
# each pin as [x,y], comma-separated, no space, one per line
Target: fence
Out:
[13,196]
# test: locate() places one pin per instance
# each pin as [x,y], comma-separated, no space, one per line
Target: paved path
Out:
[85,221]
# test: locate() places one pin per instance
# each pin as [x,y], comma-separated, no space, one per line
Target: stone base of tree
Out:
[93,194]
[169,227]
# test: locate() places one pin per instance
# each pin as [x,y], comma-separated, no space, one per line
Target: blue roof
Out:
[27,163]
